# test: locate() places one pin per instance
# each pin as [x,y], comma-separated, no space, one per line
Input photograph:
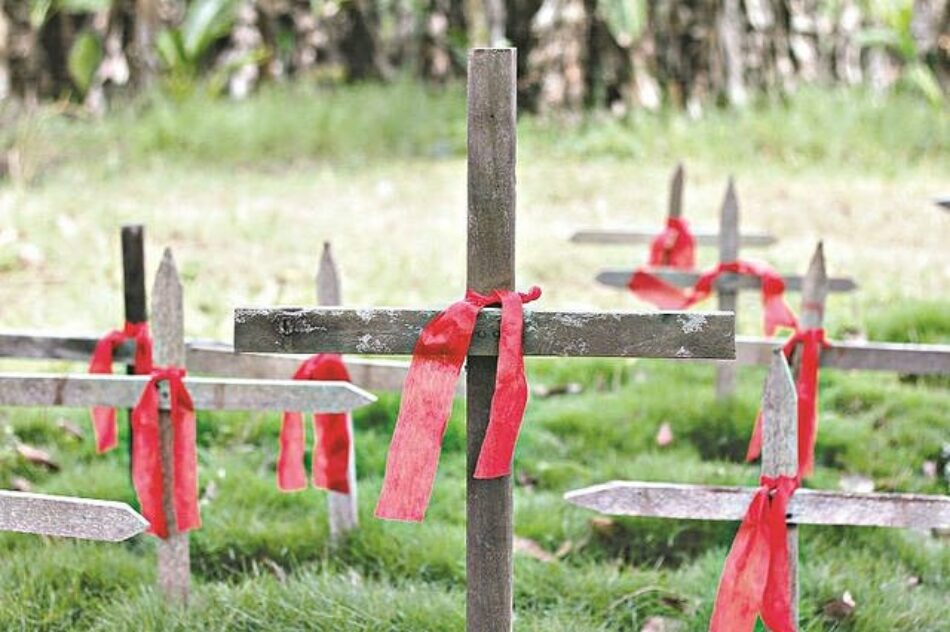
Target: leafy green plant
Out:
[626,19]
[85,55]
[183,49]
[895,36]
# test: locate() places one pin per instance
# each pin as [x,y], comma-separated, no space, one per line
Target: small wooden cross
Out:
[491,240]
[206,393]
[779,457]
[644,236]
[906,359]
[69,517]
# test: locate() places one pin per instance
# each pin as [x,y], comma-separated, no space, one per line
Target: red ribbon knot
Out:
[812,342]
[331,435]
[675,247]
[755,579]
[103,417]
[427,401]
[651,288]
[147,469]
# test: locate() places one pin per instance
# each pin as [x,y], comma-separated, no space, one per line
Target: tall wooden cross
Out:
[779,457]
[69,517]
[207,394]
[491,241]
[607,236]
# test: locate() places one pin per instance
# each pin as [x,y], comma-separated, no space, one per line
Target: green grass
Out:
[246,192]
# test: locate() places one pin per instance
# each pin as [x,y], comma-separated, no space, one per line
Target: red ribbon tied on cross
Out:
[331,435]
[427,401]
[812,341]
[147,469]
[675,247]
[651,288]
[755,578]
[103,417]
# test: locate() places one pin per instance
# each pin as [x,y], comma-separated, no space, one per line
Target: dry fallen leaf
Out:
[20,484]
[566,547]
[37,456]
[841,608]
[603,526]
[664,436]
[69,428]
[532,549]
[856,483]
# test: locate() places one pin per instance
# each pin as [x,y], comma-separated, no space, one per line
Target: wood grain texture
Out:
[619,277]
[69,517]
[77,390]
[168,331]
[491,265]
[681,335]
[808,506]
[342,509]
[637,236]
[676,191]
[814,291]
[727,296]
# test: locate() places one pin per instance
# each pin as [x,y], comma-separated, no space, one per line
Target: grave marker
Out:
[645,236]
[779,457]
[206,394]
[491,223]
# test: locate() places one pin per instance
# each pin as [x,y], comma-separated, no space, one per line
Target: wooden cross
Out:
[907,359]
[779,457]
[491,223]
[645,236]
[203,357]
[207,394]
[69,517]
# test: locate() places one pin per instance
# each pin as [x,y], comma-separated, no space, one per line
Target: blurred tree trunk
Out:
[4,53]
[24,56]
[144,56]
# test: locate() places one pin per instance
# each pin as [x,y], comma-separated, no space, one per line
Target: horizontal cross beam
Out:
[204,357]
[617,277]
[907,359]
[700,502]
[633,237]
[395,331]
[123,391]
[69,517]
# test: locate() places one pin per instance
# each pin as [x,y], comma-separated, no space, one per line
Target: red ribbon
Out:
[103,417]
[427,401]
[653,289]
[675,246]
[331,435]
[806,385]
[147,471]
[755,579]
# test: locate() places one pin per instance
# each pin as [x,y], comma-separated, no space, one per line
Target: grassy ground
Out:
[246,193]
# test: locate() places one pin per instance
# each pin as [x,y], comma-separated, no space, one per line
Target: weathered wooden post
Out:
[343,509]
[676,191]
[491,223]
[492,152]
[780,446]
[133,290]
[168,331]
[69,517]
[728,295]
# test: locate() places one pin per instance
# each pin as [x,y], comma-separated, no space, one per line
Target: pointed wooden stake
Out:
[69,517]
[676,191]
[780,446]
[814,291]
[343,509]
[174,561]
[728,251]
